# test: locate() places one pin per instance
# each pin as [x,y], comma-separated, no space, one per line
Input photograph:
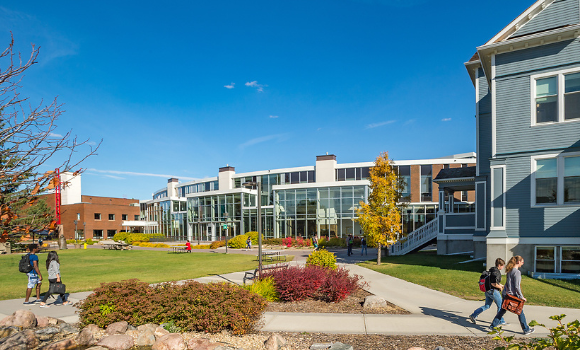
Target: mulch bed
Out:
[351,305]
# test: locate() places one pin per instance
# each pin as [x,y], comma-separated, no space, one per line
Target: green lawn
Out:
[446,274]
[86,269]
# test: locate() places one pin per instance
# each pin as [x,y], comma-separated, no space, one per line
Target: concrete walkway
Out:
[431,312]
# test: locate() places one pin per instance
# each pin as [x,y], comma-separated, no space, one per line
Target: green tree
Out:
[380,218]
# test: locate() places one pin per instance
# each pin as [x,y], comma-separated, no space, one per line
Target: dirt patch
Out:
[351,305]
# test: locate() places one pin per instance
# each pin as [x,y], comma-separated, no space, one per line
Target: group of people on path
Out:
[350,244]
[35,276]
[496,292]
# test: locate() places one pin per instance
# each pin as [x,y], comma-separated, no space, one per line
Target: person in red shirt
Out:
[188,246]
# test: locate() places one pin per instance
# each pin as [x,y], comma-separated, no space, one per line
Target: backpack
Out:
[484,284]
[24,265]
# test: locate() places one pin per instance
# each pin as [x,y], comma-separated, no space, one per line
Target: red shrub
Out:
[287,242]
[298,283]
[338,285]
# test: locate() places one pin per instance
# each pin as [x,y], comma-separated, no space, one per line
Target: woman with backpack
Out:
[53,267]
[512,287]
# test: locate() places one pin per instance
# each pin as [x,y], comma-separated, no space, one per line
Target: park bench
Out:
[251,275]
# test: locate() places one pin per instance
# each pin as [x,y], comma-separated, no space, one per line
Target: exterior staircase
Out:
[416,239]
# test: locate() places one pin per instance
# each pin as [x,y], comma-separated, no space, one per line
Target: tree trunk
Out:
[379,253]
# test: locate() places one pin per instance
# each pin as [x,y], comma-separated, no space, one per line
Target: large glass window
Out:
[570,260]
[547,100]
[572,96]
[546,259]
[426,183]
[572,179]
[546,180]
[405,174]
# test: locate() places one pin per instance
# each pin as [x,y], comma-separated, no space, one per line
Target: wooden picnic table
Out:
[116,245]
[273,254]
[179,249]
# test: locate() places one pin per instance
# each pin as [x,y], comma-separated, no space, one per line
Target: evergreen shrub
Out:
[264,287]
[322,258]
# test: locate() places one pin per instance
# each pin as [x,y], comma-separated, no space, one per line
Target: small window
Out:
[97,216]
[111,217]
[546,259]
[78,216]
[547,100]
[571,260]
[124,217]
[546,181]
[572,96]
[98,234]
[572,179]
[136,217]
[111,233]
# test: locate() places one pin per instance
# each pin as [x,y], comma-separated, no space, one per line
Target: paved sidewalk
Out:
[431,312]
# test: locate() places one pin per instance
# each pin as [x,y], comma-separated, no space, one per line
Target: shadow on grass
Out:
[571,285]
[431,259]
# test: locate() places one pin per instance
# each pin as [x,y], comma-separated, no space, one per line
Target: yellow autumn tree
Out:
[380,219]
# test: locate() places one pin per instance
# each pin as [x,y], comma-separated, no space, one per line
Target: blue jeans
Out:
[491,296]
[364,250]
[521,317]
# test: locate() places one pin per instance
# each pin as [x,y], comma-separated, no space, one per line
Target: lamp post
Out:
[258,186]
[76,234]
[84,229]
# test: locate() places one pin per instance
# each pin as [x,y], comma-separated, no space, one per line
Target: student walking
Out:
[493,288]
[34,276]
[349,244]
[249,243]
[53,267]
[512,287]
[363,245]
[315,242]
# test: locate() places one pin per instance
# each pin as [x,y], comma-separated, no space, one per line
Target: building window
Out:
[111,217]
[97,216]
[124,217]
[78,216]
[546,259]
[570,260]
[404,172]
[111,233]
[556,97]
[98,234]
[426,183]
[556,179]
[136,217]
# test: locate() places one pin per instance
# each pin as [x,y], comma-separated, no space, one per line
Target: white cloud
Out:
[55,135]
[231,86]
[446,119]
[114,177]
[376,125]
[410,121]
[118,172]
[254,84]
[261,139]
[273,116]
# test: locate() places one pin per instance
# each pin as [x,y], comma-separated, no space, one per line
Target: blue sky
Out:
[187,87]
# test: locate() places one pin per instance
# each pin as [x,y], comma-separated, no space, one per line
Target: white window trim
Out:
[555,257]
[493,108]
[561,256]
[477,120]
[503,167]
[561,88]
[560,182]
[484,206]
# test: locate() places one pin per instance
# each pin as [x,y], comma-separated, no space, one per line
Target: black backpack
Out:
[24,265]
[484,284]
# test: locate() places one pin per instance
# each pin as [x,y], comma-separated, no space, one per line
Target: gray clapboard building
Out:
[527,176]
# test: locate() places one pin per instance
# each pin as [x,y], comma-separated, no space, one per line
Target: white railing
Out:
[416,238]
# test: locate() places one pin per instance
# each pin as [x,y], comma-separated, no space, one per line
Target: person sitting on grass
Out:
[53,267]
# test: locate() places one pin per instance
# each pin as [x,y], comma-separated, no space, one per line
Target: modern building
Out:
[527,178]
[316,200]
[93,217]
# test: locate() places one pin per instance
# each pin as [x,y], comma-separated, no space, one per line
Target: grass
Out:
[84,270]
[446,274]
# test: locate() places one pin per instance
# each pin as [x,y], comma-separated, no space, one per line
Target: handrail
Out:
[416,238]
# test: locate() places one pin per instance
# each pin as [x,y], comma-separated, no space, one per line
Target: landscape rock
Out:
[340,346]
[373,301]
[145,337]
[47,333]
[20,341]
[97,348]
[274,342]
[7,321]
[201,344]
[65,344]
[5,332]
[117,342]
[320,346]
[150,326]
[54,321]
[160,332]
[67,328]
[20,318]
[440,348]
[117,328]
[42,321]
[416,348]
[171,341]
[89,335]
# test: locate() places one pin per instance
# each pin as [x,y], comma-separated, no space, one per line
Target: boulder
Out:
[373,301]
[42,321]
[67,328]
[340,346]
[46,333]
[20,341]
[54,321]
[117,342]
[117,327]
[201,344]
[171,341]
[160,332]
[20,318]
[65,344]
[89,335]
[97,348]
[150,326]
[145,337]
[274,342]
[320,346]
[5,332]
